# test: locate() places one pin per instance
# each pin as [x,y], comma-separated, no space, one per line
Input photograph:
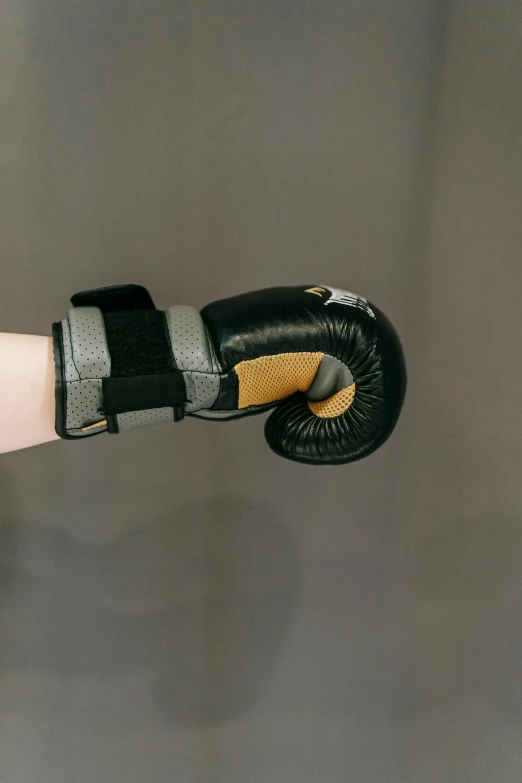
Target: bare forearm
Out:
[26,391]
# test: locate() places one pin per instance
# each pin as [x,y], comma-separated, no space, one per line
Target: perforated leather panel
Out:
[190,343]
[90,351]
[128,421]
[335,405]
[194,355]
[275,377]
[87,360]
[71,372]
[202,390]
[84,405]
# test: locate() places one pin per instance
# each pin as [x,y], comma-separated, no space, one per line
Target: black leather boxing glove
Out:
[329,361]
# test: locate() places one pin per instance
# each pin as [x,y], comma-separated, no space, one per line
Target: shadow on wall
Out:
[466,634]
[8,543]
[198,602]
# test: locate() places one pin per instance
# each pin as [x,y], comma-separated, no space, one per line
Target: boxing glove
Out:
[328,361]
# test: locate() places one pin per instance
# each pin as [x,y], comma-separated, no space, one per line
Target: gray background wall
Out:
[178,604]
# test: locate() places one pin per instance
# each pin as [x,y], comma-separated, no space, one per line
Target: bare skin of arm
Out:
[26,391]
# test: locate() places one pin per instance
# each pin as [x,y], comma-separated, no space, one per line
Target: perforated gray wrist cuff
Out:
[83,360]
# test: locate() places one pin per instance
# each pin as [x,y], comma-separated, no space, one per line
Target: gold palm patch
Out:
[272,378]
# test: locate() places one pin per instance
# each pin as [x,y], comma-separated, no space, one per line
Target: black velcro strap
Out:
[141,392]
[139,342]
[143,370]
